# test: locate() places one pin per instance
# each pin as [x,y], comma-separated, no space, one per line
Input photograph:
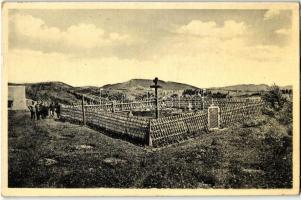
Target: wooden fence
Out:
[162,131]
[233,114]
[180,103]
[173,129]
[133,127]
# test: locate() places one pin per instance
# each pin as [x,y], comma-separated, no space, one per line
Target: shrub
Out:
[274,98]
[254,121]
[285,115]
[277,106]
[276,156]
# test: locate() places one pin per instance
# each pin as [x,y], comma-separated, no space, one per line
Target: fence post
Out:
[149,137]
[113,106]
[83,110]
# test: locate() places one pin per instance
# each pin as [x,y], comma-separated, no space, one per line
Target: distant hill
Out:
[49,91]
[46,85]
[244,87]
[67,94]
[132,89]
[134,84]
[247,87]
[138,88]
[288,87]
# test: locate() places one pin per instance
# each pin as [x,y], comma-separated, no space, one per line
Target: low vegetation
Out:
[254,154]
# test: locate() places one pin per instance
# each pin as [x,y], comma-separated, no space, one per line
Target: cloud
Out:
[31,27]
[230,29]
[193,61]
[118,37]
[40,66]
[283,31]
[218,48]
[230,41]
[82,35]
[204,54]
[270,14]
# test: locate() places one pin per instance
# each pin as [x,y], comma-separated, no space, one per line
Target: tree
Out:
[188,92]
[219,95]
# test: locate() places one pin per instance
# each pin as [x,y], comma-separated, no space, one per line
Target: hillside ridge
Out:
[145,83]
[133,89]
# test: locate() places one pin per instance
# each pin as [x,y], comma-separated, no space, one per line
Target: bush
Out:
[274,98]
[254,121]
[277,106]
[285,115]
[276,156]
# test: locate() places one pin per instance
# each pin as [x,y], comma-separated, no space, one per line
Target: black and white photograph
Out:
[199,98]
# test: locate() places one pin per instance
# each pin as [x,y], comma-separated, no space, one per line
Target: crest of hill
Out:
[248,87]
[244,87]
[46,85]
[49,91]
[63,93]
[145,84]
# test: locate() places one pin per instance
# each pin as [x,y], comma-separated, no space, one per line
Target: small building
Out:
[16,97]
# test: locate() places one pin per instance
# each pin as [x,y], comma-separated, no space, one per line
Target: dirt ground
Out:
[51,153]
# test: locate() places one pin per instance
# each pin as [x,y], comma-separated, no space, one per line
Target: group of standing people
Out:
[42,110]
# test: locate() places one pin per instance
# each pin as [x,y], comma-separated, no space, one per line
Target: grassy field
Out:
[50,153]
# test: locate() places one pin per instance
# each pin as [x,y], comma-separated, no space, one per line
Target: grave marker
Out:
[189,106]
[156,86]
[213,117]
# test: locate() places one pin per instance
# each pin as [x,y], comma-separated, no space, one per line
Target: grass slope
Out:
[51,153]
[50,91]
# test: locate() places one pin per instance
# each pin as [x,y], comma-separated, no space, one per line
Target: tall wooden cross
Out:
[156,86]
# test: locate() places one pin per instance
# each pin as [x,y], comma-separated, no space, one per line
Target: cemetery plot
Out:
[175,123]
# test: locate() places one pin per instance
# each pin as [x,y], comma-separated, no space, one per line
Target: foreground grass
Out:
[51,153]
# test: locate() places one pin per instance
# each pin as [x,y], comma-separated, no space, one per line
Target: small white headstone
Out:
[189,106]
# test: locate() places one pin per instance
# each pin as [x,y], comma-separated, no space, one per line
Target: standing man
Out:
[37,109]
[32,111]
[52,108]
[44,110]
[58,109]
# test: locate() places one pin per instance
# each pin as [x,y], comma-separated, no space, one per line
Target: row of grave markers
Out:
[213,115]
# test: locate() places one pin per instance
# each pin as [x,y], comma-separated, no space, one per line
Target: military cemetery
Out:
[197,116]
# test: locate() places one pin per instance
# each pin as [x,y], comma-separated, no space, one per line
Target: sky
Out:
[204,48]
